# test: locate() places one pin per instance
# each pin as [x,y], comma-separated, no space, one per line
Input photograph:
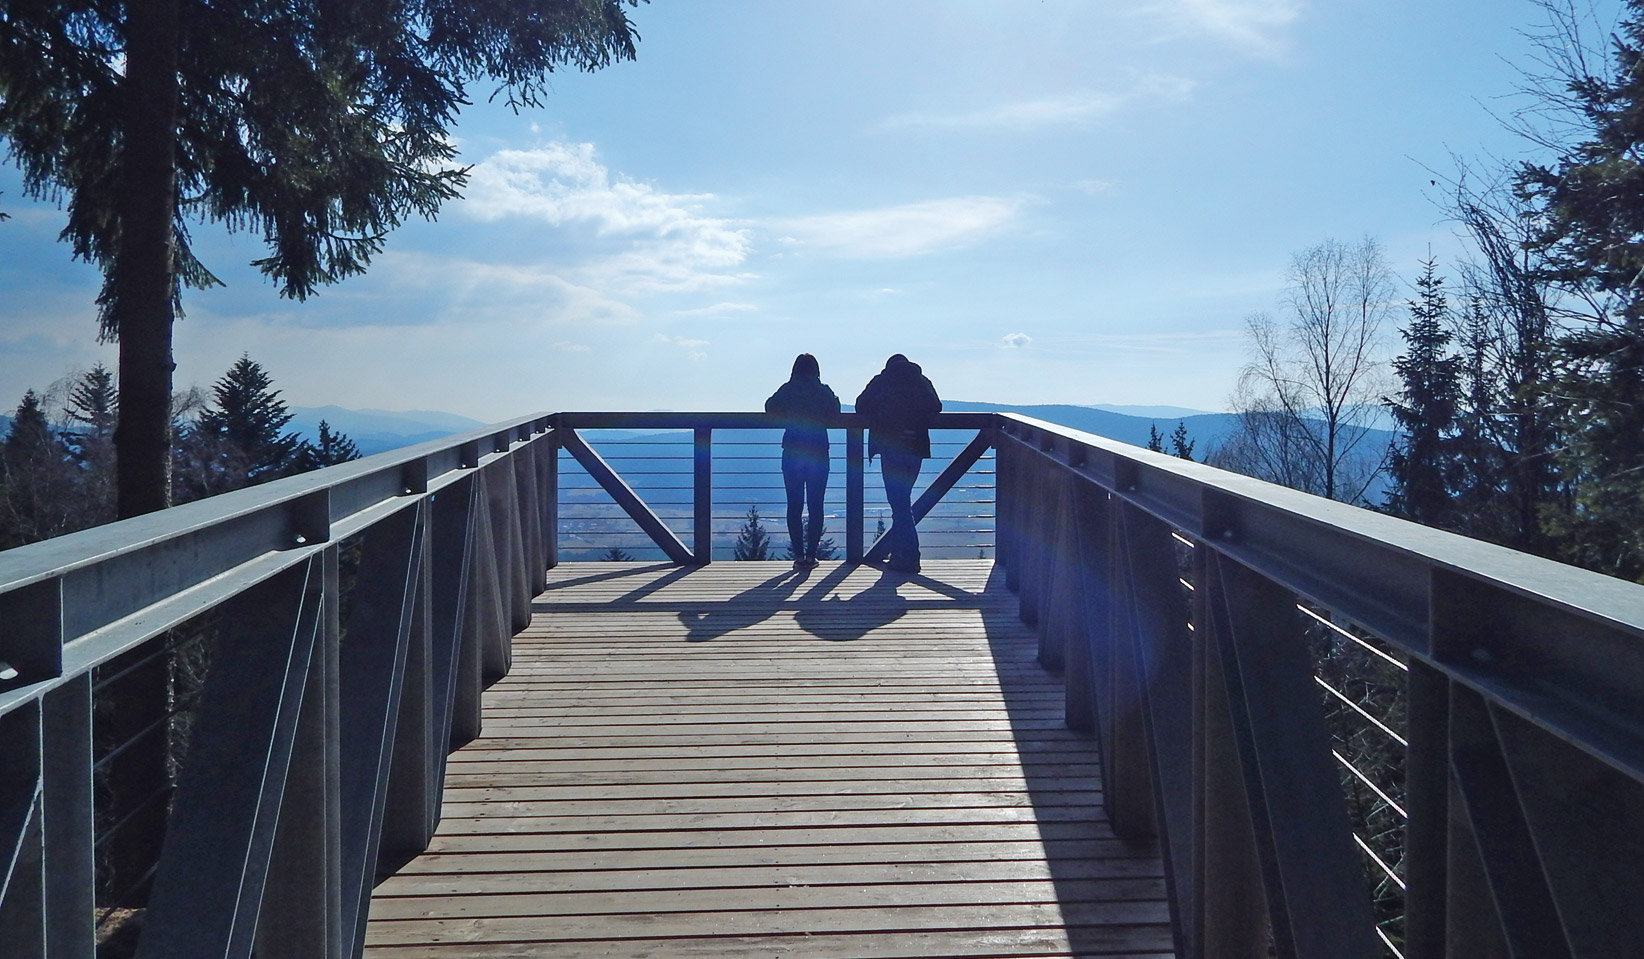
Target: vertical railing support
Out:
[1231,918]
[1089,644]
[702,496]
[302,909]
[66,789]
[855,501]
[549,478]
[1317,902]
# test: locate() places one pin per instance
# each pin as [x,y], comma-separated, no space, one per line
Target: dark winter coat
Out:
[805,402]
[899,404]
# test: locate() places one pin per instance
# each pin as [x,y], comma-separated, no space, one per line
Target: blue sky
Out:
[1066,201]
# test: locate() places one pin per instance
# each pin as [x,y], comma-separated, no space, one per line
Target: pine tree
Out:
[826,548]
[1155,440]
[321,125]
[240,440]
[1180,445]
[752,542]
[328,449]
[1591,207]
[37,480]
[92,408]
[617,554]
[1422,461]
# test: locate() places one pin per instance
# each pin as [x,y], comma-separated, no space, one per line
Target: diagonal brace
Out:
[626,498]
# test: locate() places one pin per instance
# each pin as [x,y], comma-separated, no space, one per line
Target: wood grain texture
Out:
[745,760]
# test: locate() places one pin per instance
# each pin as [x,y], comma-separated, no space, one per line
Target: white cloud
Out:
[899,231]
[1093,187]
[1255,25]
[1015,341]
[693,348]
[1064,110]
[718,309]
[457,290]
[566,346]
[662,241]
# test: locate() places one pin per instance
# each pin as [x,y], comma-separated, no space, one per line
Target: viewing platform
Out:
[749,760]
[390,708]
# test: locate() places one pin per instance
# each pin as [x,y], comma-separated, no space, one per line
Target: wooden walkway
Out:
[744,760]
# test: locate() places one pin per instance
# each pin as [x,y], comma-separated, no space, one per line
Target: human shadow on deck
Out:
[1111,891]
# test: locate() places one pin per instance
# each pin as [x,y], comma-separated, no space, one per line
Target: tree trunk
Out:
[141,282]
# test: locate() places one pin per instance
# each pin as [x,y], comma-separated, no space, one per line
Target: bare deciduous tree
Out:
[1308,397]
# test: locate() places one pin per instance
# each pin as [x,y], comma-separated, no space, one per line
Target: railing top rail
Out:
[1160,489]
[24,565]
[1560,646]
[734,420]
[98,590]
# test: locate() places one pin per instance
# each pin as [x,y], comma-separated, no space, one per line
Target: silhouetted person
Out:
[899,404]
[805,402]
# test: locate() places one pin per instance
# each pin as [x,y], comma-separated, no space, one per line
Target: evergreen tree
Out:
[322,125]
[92,408]
[328,449]
[1421,463]
[1511,424]
[240,440]
[1180,445]
[826,548]
[37,492]
[1155,440]
[1591,234]
[617,554]
[752,542]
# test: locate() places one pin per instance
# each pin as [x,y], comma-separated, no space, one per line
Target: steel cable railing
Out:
[746,474]
[1350,735]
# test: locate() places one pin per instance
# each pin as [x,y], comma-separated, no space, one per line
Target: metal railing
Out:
[698,485]
[1169,592]
[298,658]
[335,628]
[222,723]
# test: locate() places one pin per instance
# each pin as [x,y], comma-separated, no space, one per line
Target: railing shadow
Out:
[1098,876]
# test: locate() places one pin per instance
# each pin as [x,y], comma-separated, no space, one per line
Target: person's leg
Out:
[900,472]
[816,491]
[793,481]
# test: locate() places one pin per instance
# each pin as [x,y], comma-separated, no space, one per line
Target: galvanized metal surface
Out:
[1527,692]
[1526,705]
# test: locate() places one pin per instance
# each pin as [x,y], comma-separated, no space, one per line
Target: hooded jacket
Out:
[899,404]
[806,403]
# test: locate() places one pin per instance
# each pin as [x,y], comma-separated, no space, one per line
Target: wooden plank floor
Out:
[745,760]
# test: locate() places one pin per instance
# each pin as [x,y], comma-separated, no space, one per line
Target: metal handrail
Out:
[744,468]
[1525,692]
[316,760]
[310,760]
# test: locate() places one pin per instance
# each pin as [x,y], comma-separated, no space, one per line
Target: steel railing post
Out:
[702,495]
[854,497]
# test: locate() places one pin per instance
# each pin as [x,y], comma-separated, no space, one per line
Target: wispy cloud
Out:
[1066,109]
[656,241]
[693,348]
[1015,341]
[1254,25]
[718,309]
[460,290]
[901,231]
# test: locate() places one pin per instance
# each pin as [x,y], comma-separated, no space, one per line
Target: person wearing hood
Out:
[899,404]
[805,403]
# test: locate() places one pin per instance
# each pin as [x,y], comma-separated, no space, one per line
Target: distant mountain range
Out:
[375,431]
[1203,429]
